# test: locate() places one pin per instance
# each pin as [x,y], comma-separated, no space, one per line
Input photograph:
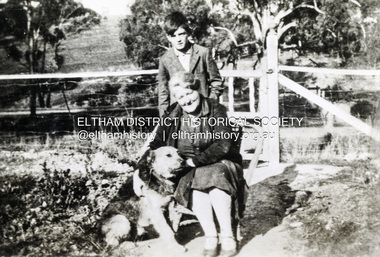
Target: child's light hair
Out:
[184,80]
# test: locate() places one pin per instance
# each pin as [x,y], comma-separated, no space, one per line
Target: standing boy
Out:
[186,56]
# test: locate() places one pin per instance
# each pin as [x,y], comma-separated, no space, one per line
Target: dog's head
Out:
[164,161]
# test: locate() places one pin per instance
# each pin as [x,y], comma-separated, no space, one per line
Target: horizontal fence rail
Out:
[78,75]
[223,73]
[241,97]
[65,81]
[330,71]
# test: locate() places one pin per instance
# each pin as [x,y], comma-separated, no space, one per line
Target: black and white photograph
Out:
[190,128]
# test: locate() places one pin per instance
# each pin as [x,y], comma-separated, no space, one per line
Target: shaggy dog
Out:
[145,200]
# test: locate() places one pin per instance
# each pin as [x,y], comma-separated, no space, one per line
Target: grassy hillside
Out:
[98,49]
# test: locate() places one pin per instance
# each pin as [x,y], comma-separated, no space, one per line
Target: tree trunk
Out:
[33,89]
[43,58]
[33,101]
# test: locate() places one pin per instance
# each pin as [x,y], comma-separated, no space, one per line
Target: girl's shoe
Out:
[229,247]
[210,247]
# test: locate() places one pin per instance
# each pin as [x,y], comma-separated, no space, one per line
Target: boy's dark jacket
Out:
[202,65]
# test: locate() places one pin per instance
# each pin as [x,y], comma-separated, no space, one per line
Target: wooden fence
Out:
[267,104]
[254,106]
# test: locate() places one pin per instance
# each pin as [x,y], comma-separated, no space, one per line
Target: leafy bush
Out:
[61,190]
[55,213]
[363,109]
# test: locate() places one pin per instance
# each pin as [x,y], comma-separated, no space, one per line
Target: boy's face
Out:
[179,40]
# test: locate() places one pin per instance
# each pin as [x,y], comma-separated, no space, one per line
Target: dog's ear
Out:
[151,158]
[143,162]
[144,166]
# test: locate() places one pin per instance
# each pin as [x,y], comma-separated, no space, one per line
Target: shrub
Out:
[61,190]
[363,109]
[55,213]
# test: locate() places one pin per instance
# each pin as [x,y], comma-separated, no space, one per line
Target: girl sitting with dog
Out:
[214,183]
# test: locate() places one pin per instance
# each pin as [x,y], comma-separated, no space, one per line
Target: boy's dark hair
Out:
[174,21]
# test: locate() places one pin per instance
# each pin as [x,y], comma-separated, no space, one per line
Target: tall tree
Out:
[328,26]
[333,27]
[41,22]
[32,25]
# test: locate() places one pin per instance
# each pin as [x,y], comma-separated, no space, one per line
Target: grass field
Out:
[53,194]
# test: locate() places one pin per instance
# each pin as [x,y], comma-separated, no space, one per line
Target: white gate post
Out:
[272,79]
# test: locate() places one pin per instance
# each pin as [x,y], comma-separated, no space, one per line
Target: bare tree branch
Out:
[255,6]
[285,28]
[363,30]
[292,46]
[232,37]
[332,32]
[68,15]
[355,2]
[282,14]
